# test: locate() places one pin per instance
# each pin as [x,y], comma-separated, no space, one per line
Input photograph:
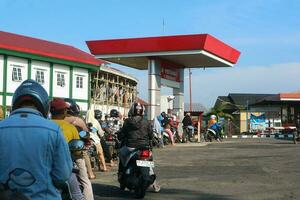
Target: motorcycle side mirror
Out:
[82,134]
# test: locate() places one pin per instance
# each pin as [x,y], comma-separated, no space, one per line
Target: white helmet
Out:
[213,117]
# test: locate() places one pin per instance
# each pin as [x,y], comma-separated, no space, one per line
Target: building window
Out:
[79,82]
[17,74]
[40,77]
[61,79]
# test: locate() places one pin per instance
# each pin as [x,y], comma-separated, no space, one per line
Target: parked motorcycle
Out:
[156,139]
[135,170]
[176,136]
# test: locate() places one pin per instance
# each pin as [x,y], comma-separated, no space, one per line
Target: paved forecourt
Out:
[265,168]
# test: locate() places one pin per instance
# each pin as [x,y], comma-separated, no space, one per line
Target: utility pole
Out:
[190,85]
[163,26]
[247,116]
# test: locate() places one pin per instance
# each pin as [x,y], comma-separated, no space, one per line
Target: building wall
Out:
[41,66]
[1,74]
[16,62]
[58,90]
[83,106]
[80,93]
[30,67]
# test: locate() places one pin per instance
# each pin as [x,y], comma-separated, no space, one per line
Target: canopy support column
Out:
[179,97]
[154,82]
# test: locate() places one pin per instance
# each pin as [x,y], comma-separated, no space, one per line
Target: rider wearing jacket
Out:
[33,149]
[136,131]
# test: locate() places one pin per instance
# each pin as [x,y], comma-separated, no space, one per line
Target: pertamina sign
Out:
[170,71]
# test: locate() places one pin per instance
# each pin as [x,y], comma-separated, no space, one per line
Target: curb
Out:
[262,136]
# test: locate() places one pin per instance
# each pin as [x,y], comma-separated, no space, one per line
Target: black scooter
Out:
[134,170]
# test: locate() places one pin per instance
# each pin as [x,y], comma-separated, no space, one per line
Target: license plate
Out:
[144,163]
[110,143]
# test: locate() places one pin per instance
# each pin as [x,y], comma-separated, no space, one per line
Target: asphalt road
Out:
[232,170]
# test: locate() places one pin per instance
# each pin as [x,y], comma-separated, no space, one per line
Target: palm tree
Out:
[219,110]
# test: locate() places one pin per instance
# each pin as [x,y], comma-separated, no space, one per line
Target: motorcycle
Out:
[89,141]
[111,128]
[176,136]
[211,134]
[156,139]
[135,170]
[112,142]
[188,135]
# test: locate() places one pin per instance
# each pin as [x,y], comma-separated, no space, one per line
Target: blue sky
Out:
[267,32]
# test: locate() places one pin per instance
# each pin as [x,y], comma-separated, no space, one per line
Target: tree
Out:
[220,110]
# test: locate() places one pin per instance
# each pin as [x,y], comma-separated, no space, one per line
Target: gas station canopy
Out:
[186,51]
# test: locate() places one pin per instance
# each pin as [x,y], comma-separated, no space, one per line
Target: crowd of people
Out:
[35,141]
[35,159]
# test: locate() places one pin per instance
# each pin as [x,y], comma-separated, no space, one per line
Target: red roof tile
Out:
[15,42]
[295,95]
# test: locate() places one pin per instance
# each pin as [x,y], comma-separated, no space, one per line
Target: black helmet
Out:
[114,113]
[33,92]
[74,109]
[137,109]
[164,114]
[98,114]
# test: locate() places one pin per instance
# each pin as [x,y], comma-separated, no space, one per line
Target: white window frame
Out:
[60,79]
[79,81]
[16,73]
[40,76]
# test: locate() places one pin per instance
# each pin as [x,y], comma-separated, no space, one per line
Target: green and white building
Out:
[63,70]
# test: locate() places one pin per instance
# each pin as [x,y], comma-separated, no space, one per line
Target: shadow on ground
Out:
[102,191]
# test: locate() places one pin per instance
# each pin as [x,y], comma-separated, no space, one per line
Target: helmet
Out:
[76,147]
[160,118]
[74,109]
[114,113]
[58,106]
[98,114]
[83,135]
[33,92]
[137,109]
[213,117]
[163,114]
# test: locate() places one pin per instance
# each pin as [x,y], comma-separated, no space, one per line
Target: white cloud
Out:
[210,83]
[257,79]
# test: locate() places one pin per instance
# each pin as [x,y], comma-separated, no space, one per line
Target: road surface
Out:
[232,170]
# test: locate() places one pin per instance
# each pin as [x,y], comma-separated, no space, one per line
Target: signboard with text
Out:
[170,71]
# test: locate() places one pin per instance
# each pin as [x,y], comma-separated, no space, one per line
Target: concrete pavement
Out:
[235,169]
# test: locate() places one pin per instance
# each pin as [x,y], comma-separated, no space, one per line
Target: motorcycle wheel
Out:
[295,137]
[140,192]
[122,187]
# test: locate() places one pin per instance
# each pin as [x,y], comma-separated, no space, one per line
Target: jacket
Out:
[187,121]
[136,132]
[35,146]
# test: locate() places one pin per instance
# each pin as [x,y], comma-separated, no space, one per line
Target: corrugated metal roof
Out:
[196,107]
